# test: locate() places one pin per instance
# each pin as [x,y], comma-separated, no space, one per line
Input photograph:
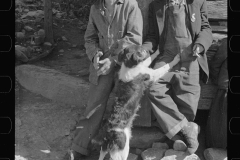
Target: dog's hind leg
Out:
[102,154]
[125,151]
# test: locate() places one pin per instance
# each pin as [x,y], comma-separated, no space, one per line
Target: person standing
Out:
[178,27]
[113,24]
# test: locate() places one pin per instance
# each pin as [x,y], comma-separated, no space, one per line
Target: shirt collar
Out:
[117,1]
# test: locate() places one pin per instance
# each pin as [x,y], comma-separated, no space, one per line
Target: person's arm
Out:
[91,38]
[204,38]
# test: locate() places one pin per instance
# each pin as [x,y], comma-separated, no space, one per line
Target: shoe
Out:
[190,134]
[73,155]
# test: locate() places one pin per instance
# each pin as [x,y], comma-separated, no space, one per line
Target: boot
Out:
[190,135]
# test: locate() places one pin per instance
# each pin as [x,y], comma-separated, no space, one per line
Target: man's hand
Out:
[175,61]
[197,48]
[96,59]
[107,66]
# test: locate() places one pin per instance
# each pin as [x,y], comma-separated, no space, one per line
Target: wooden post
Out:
[48,21]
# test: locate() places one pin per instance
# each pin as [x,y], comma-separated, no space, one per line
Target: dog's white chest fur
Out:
[127,74]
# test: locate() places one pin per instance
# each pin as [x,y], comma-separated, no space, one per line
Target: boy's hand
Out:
[197,48]
[107,66]
[96,59]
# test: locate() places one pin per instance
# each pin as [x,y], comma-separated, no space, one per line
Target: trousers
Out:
[90,122]
[174,98]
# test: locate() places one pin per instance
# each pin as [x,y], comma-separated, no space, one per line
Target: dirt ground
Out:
[44,129]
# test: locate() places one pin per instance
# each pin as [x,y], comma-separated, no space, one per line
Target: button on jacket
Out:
[110,37]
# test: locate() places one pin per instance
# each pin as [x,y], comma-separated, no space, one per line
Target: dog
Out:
[134,77]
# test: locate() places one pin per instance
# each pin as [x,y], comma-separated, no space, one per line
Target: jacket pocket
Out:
[101,41]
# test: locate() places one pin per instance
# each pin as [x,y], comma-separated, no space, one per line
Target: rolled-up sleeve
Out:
[91,38]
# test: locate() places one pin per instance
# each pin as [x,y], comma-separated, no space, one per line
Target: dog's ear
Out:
[120,51]
[121,55]
[125,53]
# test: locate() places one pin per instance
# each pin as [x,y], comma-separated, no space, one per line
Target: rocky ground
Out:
[45,127]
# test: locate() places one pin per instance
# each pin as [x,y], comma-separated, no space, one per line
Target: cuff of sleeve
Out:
[93,54]
[115,59]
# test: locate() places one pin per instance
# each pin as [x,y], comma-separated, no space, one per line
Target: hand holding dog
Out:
[107,66]
[96,59]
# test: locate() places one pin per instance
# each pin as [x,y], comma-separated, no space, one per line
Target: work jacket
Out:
[125,28]
[200,29]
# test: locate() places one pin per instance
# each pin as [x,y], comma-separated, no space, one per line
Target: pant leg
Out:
[89,124]
[186,89]
[164,108]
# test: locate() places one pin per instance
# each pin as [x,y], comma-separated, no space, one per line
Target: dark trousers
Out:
[89,123]
[174,98]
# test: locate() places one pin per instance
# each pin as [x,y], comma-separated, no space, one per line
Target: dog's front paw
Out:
[175,60]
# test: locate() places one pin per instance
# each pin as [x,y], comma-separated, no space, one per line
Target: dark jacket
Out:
[200,29]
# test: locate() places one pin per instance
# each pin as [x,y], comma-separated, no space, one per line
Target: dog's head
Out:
[132,55]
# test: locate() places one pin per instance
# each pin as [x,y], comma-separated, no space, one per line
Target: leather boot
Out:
[190,135]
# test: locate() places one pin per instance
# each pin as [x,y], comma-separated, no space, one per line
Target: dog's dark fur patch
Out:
[135,55]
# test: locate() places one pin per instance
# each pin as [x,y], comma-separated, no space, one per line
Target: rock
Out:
[18,157]
[36,14]
[160,145]
[138,151]
[153,154]
[26,10]
[20,35]
[41,33]
[18,25]
[38,40]
[28,28]
[61,51]
[74,45]
[54,11]
[47,45]
[177,137]
[144,137]
[215,154]
[179,155]
[58,15]
[53,84]
[179,145]
[132,156]
[39,49]
[20,53]
[64,38]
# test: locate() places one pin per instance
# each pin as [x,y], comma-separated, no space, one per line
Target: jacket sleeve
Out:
[205,36]
[134,30]
[152,38]
[91,38]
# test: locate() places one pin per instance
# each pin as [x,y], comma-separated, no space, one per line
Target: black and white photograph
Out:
[121,79]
